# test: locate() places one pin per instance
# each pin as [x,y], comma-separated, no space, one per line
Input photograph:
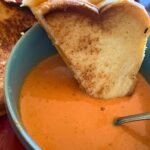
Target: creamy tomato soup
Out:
[60,116]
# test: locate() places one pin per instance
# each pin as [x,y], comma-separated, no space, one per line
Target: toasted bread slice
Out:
[32,3]
[105,49]
[13,21]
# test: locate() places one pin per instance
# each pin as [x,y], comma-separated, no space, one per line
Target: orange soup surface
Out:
[60,116]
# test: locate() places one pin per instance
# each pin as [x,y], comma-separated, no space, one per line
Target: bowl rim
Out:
[17,125]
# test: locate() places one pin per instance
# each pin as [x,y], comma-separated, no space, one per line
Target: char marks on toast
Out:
[13,21]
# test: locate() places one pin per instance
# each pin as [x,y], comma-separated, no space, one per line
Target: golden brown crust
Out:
[66,5]
[95,11]
[134,8]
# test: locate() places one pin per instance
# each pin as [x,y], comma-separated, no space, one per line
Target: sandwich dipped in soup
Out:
[103,44]
[101,47]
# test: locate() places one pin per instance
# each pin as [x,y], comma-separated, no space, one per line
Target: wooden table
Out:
[8,139]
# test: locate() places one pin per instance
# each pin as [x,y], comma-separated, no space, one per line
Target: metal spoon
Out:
[132,118]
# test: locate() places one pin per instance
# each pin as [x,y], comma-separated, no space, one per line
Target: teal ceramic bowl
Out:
[32,48]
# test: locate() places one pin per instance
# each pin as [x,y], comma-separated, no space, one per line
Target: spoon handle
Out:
[132,118]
